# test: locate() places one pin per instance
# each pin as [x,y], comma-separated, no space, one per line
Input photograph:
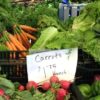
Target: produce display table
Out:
[37,25]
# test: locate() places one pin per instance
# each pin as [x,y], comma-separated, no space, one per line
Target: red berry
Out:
[46,86]
[21,88]
[61,92]
[31,84]
[54,79]
[65,84]
[2,92]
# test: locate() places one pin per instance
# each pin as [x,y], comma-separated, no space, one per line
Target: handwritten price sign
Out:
[41,66]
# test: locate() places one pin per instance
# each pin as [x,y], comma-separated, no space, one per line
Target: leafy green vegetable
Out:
[95,88]
[85,89]
[45,21]
[80,33]
[44,96]
[5,4]
[63,40]
[31,18]
[3,47]
[6,83]
[46,35]
[1,98]
[87,17]
[21,95]
[96,26]
[95,98]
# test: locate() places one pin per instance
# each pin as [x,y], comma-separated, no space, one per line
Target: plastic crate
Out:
[12,55]
[85,59]
[84,75]
[69,10]
[87,67]
[13,66]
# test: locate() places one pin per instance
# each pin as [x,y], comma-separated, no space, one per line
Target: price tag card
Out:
[41,66]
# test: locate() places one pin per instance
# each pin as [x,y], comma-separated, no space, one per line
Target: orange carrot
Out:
[13,46]
[19,38]
[18,45]
[8,45]
[10,48]
[30,36]
[25,36]
[28,28]
[22,36]
[15,36]
[25,40]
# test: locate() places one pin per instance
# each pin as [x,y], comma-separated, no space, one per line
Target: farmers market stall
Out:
[48,51]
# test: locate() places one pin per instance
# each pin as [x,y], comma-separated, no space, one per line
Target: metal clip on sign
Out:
[67,10]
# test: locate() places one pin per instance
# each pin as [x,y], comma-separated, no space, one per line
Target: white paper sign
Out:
[63,63]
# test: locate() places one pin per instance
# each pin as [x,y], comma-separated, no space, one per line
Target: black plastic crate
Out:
[11,62]
[86,75]
[14,70]
[87,67]
[13,65]
[11,55]
[85,58]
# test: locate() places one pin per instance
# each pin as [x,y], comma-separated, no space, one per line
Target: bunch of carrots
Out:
[21,39]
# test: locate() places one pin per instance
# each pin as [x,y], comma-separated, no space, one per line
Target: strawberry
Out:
[65,84]
[54,79]
[2,92]
[21,88]
[46,86]
[31,84]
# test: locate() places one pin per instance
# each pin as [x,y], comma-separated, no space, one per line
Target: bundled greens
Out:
[81,32]
[87,17]
[88,22]
[45,21]
[45,37]
[30,15]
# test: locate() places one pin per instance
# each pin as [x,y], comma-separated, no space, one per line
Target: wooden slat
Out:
[28,2]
